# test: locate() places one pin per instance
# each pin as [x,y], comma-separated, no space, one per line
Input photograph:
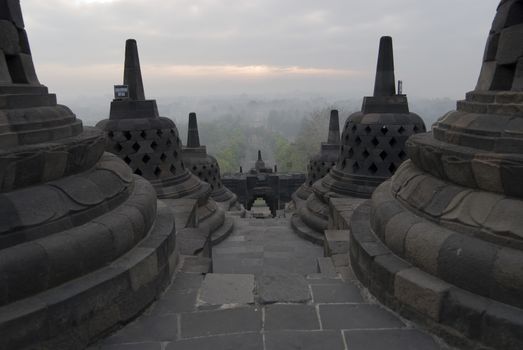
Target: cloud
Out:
[438,45]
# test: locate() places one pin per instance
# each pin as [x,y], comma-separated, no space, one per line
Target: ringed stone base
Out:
[464,319]
[78,313]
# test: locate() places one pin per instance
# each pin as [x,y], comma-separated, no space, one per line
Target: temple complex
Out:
[441,242]
[151,146]
[262,182]
[121,238]
[82,239]
[206,167]
[321,164]
[372,148]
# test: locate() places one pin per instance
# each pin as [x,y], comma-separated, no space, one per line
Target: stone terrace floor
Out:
[266,293]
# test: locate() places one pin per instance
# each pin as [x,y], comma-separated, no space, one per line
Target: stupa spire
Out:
[334,128]
[193,136]
[132,76]
[385,84]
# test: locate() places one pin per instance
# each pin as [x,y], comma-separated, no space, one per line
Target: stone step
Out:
[326,267]
[305,232]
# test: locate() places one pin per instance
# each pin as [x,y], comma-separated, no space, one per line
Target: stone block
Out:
[510,47]
[283,287]
[517,85]
[383,272]
[284,340]
[186,281]
[422,245]
[220,289]
[357,316]
[22,69]
[5,76]
[206,323]
[397,229]
[147,328]
[503,326]
[396,339]
[491,48]
[339,293]
[326,267]
[295,317]
[248,341]
[420,292]
[336,242]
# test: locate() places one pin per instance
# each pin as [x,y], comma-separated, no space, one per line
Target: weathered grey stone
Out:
[397,339]
[248,341]
[358,316]
[339,293]
[187,281]
[284,340]
[283,287]
[219,289]
[147,328]
[291,317]
[206,323]
[420,291]
[336,242]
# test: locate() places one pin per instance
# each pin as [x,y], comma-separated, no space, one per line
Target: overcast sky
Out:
[216,47]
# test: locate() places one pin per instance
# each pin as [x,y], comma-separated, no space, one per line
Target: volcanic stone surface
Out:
[452,215]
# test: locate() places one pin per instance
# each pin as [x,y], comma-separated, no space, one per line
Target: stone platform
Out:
[269,289]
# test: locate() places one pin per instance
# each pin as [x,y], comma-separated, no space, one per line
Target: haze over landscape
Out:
[261,67]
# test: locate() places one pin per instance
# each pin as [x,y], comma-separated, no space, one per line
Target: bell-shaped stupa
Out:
[442,241]
[372,147]
[78,231]
[206,167]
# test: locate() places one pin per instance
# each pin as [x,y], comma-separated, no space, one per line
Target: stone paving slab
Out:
[129,346]
[249,341]
[147,329]
[316,340]
[291,317]
[357,316]
[206,323]
[339,293]
[219,289]
[184,281]
[285,287]
[175,302]
[397,339]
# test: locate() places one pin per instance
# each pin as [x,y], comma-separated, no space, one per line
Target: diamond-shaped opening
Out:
[212,187]
[127,135]
[178,141]
[154,145]
[347,138]
[206,179]
[138,172]
[168,142]
[146,159]
[375,141]
[172,169]
[401,130]
[416,129]
[357,141]
[373,168]
[172,132]
[118,147]
[175,154]
[365,153]
[383,155]
[194,168]
[384,130]
[200,174]
[351,152]
[214,178]
[157,171]
[333,163]
[368,129]
[343,164]
[163,157]
[183,166]
[402,155]
[136,146]
[143,134]
[159,132]
[110,134]
[127,160]
[392,168]
[354,128]
[393,142]
[355,167]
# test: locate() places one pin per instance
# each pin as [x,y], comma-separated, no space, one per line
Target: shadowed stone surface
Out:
[372,147]
[304,340]
[361,316]
[449,220]
[404,339]
[84,244]
[218,289]
[297,317]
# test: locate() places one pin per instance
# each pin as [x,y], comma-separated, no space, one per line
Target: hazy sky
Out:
[216,47]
